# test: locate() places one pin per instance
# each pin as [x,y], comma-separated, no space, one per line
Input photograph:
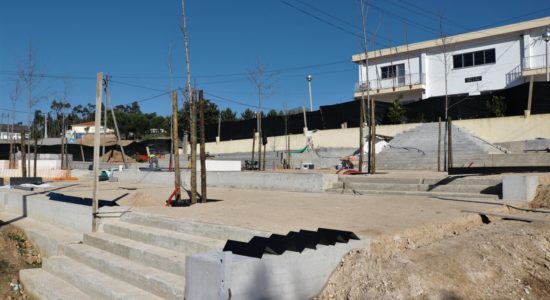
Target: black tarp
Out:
[427,110]
[333,116]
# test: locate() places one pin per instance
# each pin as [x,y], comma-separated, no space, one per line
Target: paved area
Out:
[280,212]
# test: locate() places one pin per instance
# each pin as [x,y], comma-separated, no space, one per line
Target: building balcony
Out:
[534,65]
[407,82]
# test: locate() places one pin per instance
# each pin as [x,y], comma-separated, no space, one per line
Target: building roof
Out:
[464,37]
[16,127]
[91,123]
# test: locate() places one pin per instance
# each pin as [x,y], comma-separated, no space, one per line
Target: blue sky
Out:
[129,40]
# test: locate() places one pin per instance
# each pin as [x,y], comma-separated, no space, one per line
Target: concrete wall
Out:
[508,129]
[298,182]
[493,130]
[292,275]
[72,217]
[331,138]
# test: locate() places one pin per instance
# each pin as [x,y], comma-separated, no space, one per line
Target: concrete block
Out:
[291,275]
[519,187]
[220,165]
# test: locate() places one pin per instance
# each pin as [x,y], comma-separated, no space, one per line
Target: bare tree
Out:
[189,97]
[262,80]
[14,97]
[29,76]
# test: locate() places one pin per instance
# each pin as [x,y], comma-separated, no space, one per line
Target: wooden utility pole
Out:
[108,99]
[175,147]
[204,197]
[23,154]
[193,148]
[97,137]
[362,116]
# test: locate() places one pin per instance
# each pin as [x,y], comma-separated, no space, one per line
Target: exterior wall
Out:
[493,130]
[494,76]
[519,48]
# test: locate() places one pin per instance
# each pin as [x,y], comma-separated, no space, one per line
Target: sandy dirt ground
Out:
[16,253]
[423,248]
[500,260]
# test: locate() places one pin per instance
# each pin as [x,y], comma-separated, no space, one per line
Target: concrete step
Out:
[158,282]
[176,241]
[213,231]
[452,188]
[40,284]
[93,282]
[365,179]
[443,181]
[149,255]
[49,239]
[425,194]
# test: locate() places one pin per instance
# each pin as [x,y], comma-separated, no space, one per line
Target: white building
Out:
[10,132]
[87,127]
[485,60]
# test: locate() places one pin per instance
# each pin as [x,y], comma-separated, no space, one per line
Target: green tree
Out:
[396,112]
[248,114]
[211,114]
[497,106]
[272,113]
[228,115]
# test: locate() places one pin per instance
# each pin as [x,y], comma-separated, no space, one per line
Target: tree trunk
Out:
[204,197]
[175,146]
[23,155]
[193,148]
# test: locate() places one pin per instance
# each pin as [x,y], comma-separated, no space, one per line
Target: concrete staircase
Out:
[455,187]
[417,149]
[140,256]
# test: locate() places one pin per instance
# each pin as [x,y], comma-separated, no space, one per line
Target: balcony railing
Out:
[534,62]
[391,83]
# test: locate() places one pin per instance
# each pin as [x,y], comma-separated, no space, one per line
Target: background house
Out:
[474,62]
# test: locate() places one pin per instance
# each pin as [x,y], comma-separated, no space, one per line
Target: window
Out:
[474,58]
[457,61]
[393,71]
[490,56]
[468,59]
[388,72]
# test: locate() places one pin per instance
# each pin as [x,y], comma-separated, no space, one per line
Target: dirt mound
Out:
[501,260]
[115,156]
[16,253]
[88,140]
[542,198]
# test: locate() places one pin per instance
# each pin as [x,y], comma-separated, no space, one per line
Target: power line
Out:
[345,22]
[235,101]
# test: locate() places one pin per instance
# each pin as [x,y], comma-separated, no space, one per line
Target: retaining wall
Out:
[297,182]
[39,207]
[493,130]
[292,275]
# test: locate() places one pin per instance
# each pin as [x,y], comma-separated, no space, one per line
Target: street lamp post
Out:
[309,78]
[546,37]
